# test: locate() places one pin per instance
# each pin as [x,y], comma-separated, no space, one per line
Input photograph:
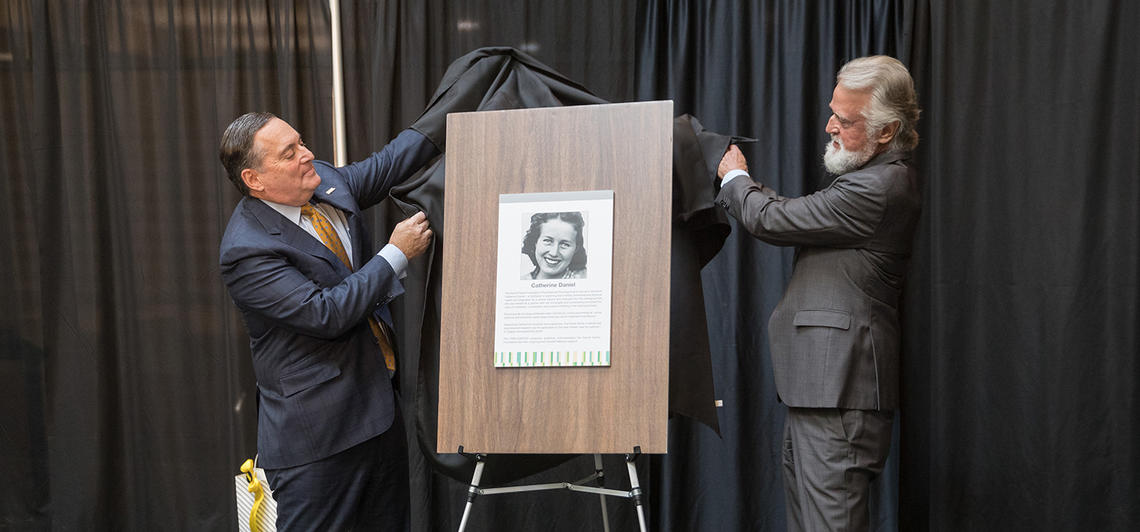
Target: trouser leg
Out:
[791,487]
[834,456]
[361,488]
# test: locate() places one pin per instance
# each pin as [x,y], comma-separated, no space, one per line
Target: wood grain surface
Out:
[626,148]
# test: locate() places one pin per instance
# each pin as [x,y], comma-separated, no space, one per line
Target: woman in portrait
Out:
[554,246]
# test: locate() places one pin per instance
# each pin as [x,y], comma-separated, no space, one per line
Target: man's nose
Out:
[832,127]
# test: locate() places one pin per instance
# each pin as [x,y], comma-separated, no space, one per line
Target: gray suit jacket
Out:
[835,334]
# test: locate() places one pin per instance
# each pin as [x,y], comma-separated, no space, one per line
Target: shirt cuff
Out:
[396,259]
[732,174]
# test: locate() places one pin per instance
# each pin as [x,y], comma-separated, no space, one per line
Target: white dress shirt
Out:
[732,174]
[396,258]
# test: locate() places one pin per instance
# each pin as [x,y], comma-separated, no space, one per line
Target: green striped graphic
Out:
[532,359]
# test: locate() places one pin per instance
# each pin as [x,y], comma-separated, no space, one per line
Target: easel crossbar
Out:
[555,486]
[473,490]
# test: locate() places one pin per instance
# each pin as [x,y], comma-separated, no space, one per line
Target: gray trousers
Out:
[830,456]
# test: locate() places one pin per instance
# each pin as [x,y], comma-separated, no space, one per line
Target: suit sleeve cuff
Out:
[396,259]
[732,175]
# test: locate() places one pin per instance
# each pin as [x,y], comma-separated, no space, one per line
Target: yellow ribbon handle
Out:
[258,493]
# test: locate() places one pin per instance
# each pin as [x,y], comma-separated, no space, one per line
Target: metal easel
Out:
[474,490]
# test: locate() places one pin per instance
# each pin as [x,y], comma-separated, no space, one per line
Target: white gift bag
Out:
[256,509]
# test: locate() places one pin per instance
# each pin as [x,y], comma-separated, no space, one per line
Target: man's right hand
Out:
[412,235]
[732,160]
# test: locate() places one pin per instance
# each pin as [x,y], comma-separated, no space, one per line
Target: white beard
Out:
[839,161]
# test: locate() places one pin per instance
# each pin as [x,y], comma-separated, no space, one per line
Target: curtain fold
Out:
[130,358]
[1023,383]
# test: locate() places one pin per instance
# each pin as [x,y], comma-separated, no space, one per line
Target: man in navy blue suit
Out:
[300,266]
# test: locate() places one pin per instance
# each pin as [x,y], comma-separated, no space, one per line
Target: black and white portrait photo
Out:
[554,246]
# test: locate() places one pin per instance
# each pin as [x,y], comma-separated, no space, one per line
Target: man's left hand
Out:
[412,235]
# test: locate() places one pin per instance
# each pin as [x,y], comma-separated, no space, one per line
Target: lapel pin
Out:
[329,191]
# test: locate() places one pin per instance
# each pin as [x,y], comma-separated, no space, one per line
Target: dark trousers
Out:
[364,487]
[830,457]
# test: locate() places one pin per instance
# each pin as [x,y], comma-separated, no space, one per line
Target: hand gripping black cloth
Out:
[504,78]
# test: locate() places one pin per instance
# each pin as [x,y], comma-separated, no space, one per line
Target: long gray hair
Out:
[892,97]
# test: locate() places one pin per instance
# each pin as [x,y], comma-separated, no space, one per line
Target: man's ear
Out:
[888,132]
[252,179]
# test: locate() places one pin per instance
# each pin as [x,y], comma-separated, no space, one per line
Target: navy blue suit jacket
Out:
[320,375]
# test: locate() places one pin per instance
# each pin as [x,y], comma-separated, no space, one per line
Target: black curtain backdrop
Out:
[1023,354]
[127,390]
[127,393]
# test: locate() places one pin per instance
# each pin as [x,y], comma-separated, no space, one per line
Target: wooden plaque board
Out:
[626,148]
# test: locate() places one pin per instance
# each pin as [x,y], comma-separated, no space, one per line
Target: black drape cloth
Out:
[698,231]
[503,78]
[486,79]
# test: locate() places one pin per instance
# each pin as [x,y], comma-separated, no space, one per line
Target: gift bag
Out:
[256,509]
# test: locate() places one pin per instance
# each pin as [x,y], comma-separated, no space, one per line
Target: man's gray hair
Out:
[892,96]
[236,150]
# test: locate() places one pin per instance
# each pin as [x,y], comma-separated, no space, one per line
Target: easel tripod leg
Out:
[601,476]
[635,487]
[473,491]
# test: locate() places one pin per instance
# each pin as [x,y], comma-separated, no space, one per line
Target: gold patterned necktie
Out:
[328,235]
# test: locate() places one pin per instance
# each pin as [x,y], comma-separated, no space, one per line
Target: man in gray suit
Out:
[835,334]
